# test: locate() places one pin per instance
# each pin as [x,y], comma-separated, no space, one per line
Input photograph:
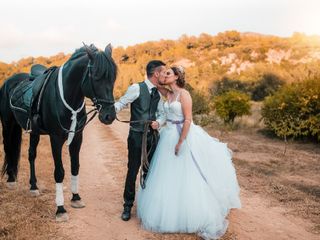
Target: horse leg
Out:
[11,132]
[56,146]
[34,140]
[74,150]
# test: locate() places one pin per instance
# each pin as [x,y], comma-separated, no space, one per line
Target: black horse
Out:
[88,73]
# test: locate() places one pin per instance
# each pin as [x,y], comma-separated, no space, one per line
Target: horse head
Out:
[99,81]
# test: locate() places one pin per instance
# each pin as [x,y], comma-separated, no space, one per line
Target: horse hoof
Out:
[34,193]
[62,217]
[77,204]
[11,185]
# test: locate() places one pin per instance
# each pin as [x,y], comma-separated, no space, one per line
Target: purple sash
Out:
[179,129]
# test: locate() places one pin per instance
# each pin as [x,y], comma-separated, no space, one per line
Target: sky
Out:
[45,28]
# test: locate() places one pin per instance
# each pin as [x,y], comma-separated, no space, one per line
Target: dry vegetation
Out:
[23,216]
[290,181]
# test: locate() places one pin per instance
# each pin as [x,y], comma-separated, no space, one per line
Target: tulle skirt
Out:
[192,192]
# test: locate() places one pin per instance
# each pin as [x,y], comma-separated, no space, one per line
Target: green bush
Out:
[266,86]
[226,84]
[294,111]
[232,104]
[200,102]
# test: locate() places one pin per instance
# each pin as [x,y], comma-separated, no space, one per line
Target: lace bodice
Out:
[173,110]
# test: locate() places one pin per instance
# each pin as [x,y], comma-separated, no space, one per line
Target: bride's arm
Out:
[186,103]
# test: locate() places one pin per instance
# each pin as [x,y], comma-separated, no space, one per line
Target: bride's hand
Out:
[177,148]
[155,125]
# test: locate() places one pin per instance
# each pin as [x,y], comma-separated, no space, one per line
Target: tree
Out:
[232,104]
[228,39]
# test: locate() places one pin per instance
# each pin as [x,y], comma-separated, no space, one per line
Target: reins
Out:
[144,152]
[95,110]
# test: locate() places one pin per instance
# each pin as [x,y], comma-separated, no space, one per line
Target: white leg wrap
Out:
[74,184]
[59,194]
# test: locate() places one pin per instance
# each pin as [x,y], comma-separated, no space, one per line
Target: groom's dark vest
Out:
[144,107]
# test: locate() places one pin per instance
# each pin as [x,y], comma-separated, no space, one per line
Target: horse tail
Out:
[12,148]
[12,135]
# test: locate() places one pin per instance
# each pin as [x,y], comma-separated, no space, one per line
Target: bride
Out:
[191,184]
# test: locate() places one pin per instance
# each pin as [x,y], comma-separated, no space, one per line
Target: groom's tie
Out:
[154,92]
[155,96]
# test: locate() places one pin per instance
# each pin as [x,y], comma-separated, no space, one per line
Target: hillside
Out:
[240,56]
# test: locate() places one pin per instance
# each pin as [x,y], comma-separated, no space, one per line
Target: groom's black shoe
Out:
[126,214]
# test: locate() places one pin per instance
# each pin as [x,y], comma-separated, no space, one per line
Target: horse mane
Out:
[104,66]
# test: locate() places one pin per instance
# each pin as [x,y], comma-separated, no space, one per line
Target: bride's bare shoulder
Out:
[185,96]
[185,93]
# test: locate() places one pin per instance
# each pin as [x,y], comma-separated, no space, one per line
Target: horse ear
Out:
[108,49]
[89,51]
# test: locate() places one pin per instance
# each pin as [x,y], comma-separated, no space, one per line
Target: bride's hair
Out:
[179,71]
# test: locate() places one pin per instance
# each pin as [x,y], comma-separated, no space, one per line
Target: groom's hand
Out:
[155,125]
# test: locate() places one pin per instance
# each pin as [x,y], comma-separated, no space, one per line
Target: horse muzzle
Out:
[107,118]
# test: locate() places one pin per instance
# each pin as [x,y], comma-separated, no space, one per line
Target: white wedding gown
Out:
[192,192]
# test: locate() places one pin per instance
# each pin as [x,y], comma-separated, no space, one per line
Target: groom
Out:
[146,104]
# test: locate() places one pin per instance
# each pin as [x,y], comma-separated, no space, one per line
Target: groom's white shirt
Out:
[133,93]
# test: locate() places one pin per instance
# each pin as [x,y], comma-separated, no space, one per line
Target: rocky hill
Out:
[239,56]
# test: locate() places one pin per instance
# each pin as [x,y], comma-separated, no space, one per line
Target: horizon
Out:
[47,30]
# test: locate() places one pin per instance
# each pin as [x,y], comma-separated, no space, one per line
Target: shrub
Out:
[232,104]
[228,39]
[225,84]
[294,111]
[200,102]
[266,86]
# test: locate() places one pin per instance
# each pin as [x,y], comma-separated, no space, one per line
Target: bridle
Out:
[97,102]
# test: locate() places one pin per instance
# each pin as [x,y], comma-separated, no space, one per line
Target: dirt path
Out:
[103,168]
[103,157]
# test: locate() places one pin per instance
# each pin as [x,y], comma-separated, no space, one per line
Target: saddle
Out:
[27,97]
[36,71]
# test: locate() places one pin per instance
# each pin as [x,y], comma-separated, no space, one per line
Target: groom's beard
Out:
[161,82]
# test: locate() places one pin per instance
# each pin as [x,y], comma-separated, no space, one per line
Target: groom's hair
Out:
[152,66]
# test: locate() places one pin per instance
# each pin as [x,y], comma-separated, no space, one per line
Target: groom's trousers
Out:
[134,162]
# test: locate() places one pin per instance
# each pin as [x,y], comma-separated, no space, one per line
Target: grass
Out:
[21,215]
